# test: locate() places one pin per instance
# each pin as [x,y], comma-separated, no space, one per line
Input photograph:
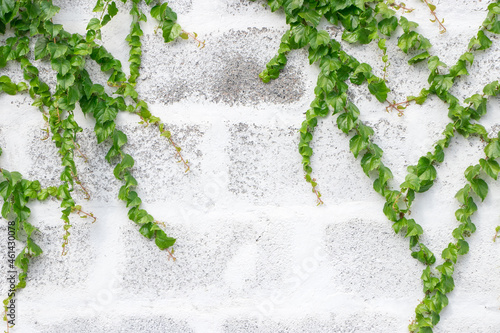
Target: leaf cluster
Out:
[30,21]
[364,22]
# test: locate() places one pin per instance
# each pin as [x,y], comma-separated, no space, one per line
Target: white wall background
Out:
[254,253]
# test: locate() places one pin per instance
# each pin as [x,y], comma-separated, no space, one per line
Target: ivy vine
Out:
[363,21]
[31,21]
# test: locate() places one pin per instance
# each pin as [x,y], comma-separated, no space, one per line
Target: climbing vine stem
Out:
[362,23]
[68,53]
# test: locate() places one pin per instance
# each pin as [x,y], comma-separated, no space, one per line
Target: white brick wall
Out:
[254,252]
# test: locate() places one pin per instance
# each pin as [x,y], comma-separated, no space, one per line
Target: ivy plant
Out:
[364,22]
[35,37]
[30,23]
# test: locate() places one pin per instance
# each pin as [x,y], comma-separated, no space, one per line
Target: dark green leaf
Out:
[480,188]
[163,241]
[61,65]
[379,89]
[112,10]
[41,48]
[311,16]
[419,57]
[450,253]
[369,162]
[490,167]
[357,144]
[492,150]
[388,25]
[413,229]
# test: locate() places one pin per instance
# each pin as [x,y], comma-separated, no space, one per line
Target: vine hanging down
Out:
[31,21]
[364,22]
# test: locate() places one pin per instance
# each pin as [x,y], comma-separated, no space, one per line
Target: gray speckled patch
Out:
[362,265]
[252,149]
[225,71]
[111,324]
[242,7]
[199,266]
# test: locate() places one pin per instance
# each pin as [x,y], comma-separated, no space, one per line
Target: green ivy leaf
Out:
[112,9]
[6,6]
[105,114]
[407,25]
[442,83]
[65,81]
[384,174]
[171,31]
[62,66]
[425,169]
[413,229]
[492,150]
[300,34]
[345,122]
[311,16]
[446,268]
[41,49]
[430,282]
[463,194]
[103,131]
[467,56]
[480,188]
[411,181]
[400,224]
[48,10]
[357,144]
[319,38]
[490,167]
[133,200]
[33,248]
[463,247]
[146,230]
[450,253]
[491,89]
[379,89]
[163,241]
[425,256]
[94,24]
[57,49]
[419,57]
[484,41]
[447,284]
[369,162]
[388,26]
[433,63]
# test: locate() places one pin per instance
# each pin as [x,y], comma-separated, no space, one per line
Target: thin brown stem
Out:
[82,213]
[399,107]
[160,223]
[104,10]
[442,28]
[316,192]
[402,6]
[77,180]
[171,255]
[66,239]
[163,130]
[47,131]
[77,146]
[179,155]
[396,201]
[194,36]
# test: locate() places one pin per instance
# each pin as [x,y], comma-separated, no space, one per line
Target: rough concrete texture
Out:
[254,253]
